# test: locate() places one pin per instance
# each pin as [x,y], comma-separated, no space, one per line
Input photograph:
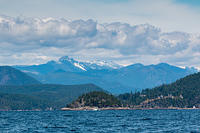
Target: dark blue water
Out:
[123,121]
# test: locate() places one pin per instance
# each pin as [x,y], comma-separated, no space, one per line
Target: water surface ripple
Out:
[115,121]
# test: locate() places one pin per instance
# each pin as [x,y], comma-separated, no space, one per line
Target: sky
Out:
[124,31]
[170,15]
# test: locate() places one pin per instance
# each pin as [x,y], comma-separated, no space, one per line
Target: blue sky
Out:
[125,31]
[189,2]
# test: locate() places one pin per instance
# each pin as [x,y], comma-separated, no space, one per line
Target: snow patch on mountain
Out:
[32,72]
[103,63]
[79,66]
[198,68]
[192,69]
[89,65]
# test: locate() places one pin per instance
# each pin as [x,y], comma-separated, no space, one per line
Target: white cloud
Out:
[167,14]
[32,40]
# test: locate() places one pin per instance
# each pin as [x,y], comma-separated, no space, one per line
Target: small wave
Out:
[67,115]
[146,119]
[55,127]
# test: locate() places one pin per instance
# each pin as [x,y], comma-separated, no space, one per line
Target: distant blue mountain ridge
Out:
[108,75]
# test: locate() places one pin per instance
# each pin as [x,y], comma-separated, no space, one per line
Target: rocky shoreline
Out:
[122,108]
[96,108]
[107,108]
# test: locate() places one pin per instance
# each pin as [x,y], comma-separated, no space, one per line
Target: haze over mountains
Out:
[19,91]
[108,75]
[12,76]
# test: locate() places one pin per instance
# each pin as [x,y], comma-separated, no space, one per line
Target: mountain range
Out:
[108,75]
[16,94]
[12,76]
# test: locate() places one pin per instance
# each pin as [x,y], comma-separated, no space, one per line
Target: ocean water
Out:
[110,121]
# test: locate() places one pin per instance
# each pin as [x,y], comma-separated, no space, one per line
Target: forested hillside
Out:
[184,93]
[41,96]
[96,99]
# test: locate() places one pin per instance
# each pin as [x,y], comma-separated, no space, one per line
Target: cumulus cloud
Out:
[34,40]
[170,15]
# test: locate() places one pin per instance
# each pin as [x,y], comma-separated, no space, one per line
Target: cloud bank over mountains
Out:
[32,41]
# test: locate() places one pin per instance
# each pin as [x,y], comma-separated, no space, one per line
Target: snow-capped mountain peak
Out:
[88,65]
